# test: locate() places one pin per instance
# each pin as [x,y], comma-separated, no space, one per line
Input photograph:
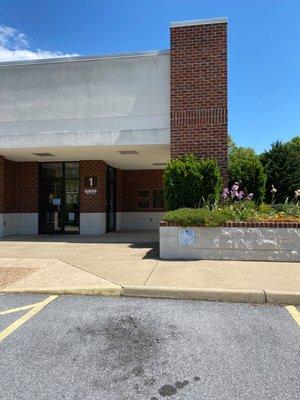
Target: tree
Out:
[246,168]
[190,181]
[282,166]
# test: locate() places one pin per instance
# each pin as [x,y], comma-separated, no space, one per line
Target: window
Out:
[143,199]
[158,198]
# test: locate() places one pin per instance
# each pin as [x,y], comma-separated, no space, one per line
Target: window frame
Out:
[149,199]
[158,208]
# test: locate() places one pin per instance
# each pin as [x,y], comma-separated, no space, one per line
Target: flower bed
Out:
[238,212]
[235,229]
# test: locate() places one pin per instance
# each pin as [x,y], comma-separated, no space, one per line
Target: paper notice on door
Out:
[71,216]
[56,202]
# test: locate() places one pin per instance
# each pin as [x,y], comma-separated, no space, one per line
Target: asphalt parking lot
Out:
[68,347]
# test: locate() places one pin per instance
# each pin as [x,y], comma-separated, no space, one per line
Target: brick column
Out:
[93,203]
[1,187]
[10,186]
[27,187]
[19,195]
[93,206]
[119,198]
[198,80]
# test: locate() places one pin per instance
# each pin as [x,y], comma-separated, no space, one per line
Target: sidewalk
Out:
[256,282]
[127,264]
[51,276]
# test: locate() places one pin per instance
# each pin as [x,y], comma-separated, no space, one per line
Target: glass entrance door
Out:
[59,197]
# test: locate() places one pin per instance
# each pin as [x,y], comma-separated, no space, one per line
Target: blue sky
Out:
[264,48]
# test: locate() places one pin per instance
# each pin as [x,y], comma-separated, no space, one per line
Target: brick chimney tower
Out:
[198,84]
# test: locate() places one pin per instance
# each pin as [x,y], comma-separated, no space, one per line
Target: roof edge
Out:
[84,58]
[219,20]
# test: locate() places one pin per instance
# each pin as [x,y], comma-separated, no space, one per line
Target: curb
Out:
[290,298]
[222,295]
[180,293]
[97,291]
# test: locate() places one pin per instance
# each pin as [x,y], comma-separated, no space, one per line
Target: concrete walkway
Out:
[129,261]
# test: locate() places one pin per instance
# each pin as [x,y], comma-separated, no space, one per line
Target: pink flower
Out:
[240,195]
[234,189]
[225,193]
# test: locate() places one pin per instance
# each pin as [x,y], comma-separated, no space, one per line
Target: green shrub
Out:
[190,181]
[288,209]
[197,217]
[246,168]
[282,166]
[240,211]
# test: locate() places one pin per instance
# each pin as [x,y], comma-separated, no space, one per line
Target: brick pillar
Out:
[27,187]
[90,203]
[119,198]
[93,206]
[1,187]
[198,80]
[10,186]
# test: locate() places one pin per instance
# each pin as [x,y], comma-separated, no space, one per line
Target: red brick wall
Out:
[1,184]
[93,203]
[10,187]
[27,187]
[19,191]
[198,79]
[119,197]
[132,181]
[18,186]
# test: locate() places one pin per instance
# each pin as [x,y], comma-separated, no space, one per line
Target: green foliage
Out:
[197,217]
[240,211]
[282,166]
[190,181]
[246,168]
[294,145]
[288,209]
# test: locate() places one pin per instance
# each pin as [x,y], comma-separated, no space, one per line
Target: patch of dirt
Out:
[14,274]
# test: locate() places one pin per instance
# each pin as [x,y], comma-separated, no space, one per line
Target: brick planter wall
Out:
[242,241]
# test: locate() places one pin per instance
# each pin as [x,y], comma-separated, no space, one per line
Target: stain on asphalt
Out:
[171,390]
[167,390]
[129,347]
[131,342]
[180,385]
[135,342]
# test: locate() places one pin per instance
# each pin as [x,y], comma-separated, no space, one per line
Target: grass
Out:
[242,211]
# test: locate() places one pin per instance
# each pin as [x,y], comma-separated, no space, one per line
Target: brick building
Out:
[84,140]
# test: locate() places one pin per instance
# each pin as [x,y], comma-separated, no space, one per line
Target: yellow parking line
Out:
[13,310]
[294,313]
[35,308]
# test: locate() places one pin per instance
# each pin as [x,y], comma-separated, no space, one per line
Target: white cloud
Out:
[15,45]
